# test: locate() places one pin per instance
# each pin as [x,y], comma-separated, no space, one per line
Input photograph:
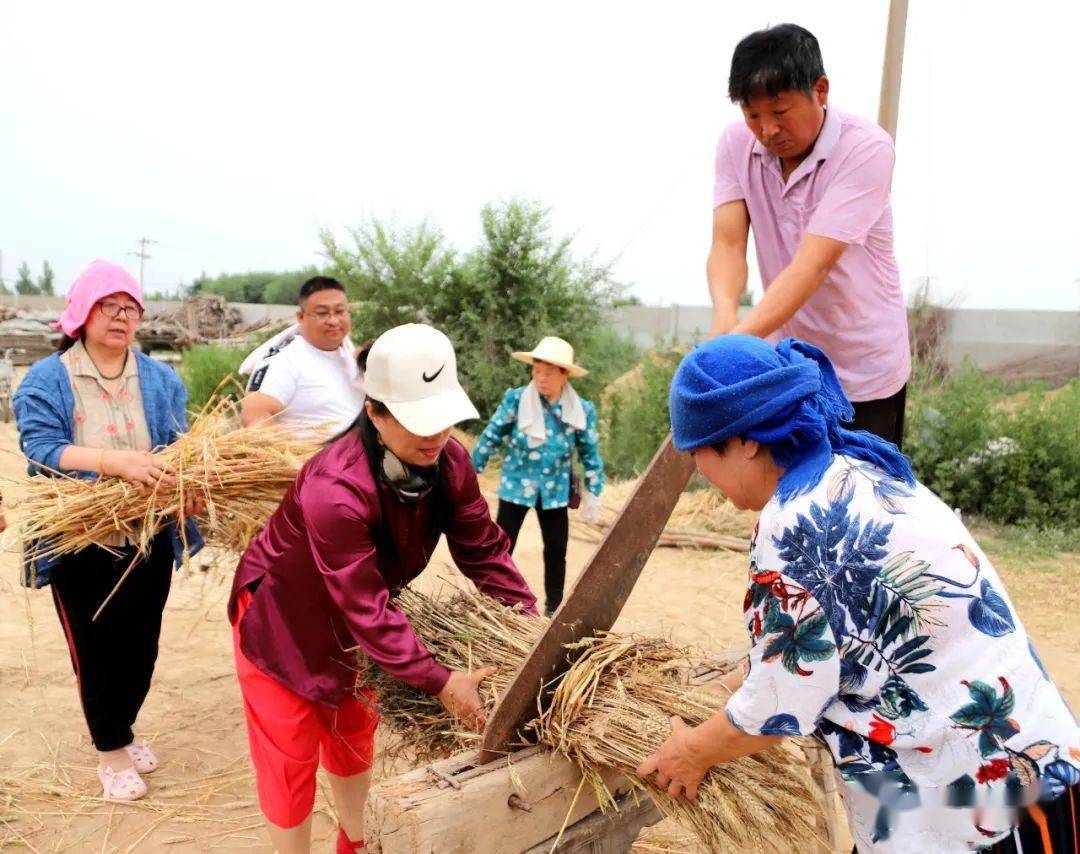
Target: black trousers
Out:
[113,656]
[1046,828]
[884,418]
[555,532]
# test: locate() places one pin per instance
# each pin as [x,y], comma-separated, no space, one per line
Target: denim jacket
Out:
[44,407]
[540,474]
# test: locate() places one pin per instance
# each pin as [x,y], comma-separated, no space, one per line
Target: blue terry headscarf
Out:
[786,397]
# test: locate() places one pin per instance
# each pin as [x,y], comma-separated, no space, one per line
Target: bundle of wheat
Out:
[610,710]
[239,474]
[464,631]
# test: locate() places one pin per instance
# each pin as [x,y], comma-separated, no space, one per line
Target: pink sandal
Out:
[121,786]
[142,757]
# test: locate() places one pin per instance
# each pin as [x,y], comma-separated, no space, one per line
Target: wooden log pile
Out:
[202,318]
[29,334]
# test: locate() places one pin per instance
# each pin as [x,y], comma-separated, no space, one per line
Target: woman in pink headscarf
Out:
[98,408]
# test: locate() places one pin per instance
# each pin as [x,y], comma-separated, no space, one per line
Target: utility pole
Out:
[889,105]
[142,256]
[14,293]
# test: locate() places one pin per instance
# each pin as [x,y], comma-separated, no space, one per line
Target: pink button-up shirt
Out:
[841,190]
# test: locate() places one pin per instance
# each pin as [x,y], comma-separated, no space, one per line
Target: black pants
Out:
[1046,828]
[884,418]
[555,532]
[114,655]
[1052,827]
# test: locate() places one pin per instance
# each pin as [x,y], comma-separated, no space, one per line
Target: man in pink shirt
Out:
[813,184]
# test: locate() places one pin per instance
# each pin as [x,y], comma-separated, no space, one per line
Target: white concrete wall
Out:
[991,339]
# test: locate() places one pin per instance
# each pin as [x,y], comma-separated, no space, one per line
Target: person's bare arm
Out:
[138,467]
[685,758]
[731,682]
[813,260]
[726,268]
[256,407]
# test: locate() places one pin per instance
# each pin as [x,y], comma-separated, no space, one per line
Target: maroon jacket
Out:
[328,560]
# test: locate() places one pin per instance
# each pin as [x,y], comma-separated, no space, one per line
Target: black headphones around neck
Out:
[407,483]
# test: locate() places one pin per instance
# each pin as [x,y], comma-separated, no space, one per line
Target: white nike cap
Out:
[413,370]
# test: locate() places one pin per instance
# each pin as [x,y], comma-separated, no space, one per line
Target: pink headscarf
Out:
[95,283]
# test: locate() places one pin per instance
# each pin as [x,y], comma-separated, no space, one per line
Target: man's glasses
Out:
[113,310]
[323,316]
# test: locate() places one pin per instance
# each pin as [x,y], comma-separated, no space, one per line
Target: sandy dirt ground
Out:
[202,798]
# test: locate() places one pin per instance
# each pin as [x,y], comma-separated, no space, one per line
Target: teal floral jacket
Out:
[543,472]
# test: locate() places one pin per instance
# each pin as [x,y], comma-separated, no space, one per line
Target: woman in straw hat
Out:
[544,423]
[99,407]
[876,623]
[361,521]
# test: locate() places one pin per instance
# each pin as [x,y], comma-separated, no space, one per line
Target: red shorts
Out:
[288,735]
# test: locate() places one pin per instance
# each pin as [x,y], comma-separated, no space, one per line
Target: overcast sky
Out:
[232,132]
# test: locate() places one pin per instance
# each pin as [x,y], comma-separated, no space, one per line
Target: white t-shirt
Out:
[316,387]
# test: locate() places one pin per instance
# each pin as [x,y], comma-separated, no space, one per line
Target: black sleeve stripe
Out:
[257,378]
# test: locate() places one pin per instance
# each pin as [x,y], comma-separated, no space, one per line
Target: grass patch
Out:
[205,367]
[1025,548]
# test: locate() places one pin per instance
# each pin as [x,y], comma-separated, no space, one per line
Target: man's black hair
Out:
[778,59]
[319,283]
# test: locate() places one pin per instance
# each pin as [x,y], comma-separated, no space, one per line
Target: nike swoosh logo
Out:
[434,376]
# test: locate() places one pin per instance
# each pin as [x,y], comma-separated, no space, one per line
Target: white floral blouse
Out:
[878,625]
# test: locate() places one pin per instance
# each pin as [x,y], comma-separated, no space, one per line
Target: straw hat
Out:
[553,350]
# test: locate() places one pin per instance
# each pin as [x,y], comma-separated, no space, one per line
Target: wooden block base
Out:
[513,805]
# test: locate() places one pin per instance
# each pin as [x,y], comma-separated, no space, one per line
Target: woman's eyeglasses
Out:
[113,310]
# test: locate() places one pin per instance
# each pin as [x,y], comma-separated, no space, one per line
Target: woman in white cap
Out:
[545,421]
[360,522]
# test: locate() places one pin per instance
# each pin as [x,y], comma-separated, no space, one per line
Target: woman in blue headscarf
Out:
[876,623]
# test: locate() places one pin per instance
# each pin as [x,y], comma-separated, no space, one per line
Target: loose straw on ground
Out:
[702,519]
[610,710]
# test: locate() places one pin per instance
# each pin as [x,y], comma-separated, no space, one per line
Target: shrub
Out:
[205,367]
[1013,458]
[1009,456]
[634,418]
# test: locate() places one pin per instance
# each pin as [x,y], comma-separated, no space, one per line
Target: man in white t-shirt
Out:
[309,379]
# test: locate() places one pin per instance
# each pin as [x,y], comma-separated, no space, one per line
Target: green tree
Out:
[45,281]
[284,289]
[519,284]
[24,284]
[197,284]
[400,275]
[261,286]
